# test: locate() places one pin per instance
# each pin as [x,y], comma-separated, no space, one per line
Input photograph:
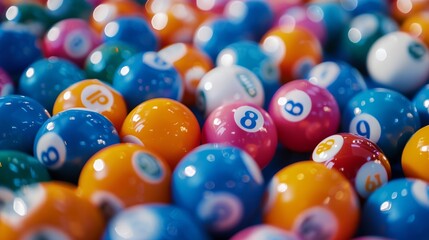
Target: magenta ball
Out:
[304,115]
[243,125]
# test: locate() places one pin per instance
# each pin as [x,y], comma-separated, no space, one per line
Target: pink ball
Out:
[72,39]
[264,232]
[244,125]
[6,84]
[304,114]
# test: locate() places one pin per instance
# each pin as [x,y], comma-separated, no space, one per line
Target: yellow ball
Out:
[415,157]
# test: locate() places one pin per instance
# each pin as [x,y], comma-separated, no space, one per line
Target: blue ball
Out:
[132,30]
[68,139]
[398,210]
[250,55]
[421,101]
[21,118]
[145,76]
[341,79]
[154,222]
[20,49]
[383,116]
[356,7]
[221,186]
[45,79]
[215,34]
[243,12]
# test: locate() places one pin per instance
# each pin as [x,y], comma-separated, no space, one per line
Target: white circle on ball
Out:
[46,232]
[51,150]
[295,105]
[420,192]
[221,211]
[248,119]
[253,168]
[316,223]
[153,60]
[369,177]
[328,148]
[324,74]
[97,98]
[77,44]
[367,126]
[173,53]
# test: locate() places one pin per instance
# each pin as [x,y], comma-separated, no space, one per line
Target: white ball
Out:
[399,61]
[226,84]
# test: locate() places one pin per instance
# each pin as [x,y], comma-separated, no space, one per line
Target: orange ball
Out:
[95,95]
[401,9]
[415,156]
[164,126]
[124,175]
[418,26]
[50,210]
[191,63]
[313,201]
[295,51]
[111,10]
[177,24]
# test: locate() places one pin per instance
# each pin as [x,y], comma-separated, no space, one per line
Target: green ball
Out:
[104,60]
[18,169]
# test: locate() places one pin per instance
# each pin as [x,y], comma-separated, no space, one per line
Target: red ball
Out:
[361,161]
[244,125]
[304,114]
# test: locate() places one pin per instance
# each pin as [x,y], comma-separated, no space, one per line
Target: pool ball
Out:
[250,55]
[402,9]
[21,119]
[72,39]
[313,201]
[357,38]
[421,101]
[146,76]
[161,122]
[46,78]
[415,161]
[399,61]
[110,10]
[304,114]
[243,12]
[154,221]
[50,210]
[64,9]
[397,210]
[341,79]
[133,30]
[18,169]
[385,117]
[243,125]
[21,51]
[104,60]
[221,186]
[7,86]
[94,95]
[216,33]
[124,175]
[223,85]
[264,232]
[357,158]
[68,139]
[176,24]
[191,63]
[295,51]
[35,17]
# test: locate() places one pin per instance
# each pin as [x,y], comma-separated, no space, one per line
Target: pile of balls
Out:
[214,119]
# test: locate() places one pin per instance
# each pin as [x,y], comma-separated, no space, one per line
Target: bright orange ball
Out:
[50,210]
[402,9]
[415,156]
[313,201]
[191,63]
[164,126]
[418,26]
[295,50]
[124,175]
[95,95]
